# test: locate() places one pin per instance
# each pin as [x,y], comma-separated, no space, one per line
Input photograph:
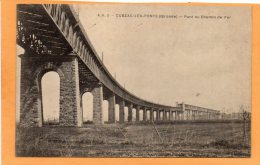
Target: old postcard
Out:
[122,80]
[102,80]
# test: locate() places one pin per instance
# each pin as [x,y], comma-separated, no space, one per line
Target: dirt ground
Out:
[184,139]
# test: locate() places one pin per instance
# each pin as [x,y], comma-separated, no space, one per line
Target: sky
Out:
[203,60]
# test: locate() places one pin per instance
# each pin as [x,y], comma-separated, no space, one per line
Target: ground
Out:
[175,139]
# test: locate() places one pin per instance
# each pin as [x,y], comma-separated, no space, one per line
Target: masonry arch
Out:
[38,75]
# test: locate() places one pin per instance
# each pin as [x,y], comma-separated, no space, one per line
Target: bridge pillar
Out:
[144,114]
[157,115]
[151,114]
[97,92]
[130,112]
[111,108]
[33,68]
[137,113]
[121,111]
[164,115]
[170,115]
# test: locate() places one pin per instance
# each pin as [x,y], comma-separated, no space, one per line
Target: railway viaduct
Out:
[55,40]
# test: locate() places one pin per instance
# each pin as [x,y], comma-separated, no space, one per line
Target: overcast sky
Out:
[202,61]
[199,61]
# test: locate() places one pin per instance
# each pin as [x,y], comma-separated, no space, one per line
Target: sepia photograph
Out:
[133,80]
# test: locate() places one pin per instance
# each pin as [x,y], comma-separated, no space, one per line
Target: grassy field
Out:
[194,139]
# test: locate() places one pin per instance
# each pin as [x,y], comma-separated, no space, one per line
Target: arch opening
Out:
[104,111]
[174,115]
[154,115]
[148,115]
[141,115]
[87,108]
[161,115]
[133,114]
[117,113]
[50,92]
[126,114]
[167,116]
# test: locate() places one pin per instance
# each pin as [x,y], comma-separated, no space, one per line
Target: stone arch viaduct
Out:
[55,40]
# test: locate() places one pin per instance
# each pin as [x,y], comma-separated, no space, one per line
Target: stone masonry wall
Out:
[111,108]
[32,70]
[97,103]
[121,111]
